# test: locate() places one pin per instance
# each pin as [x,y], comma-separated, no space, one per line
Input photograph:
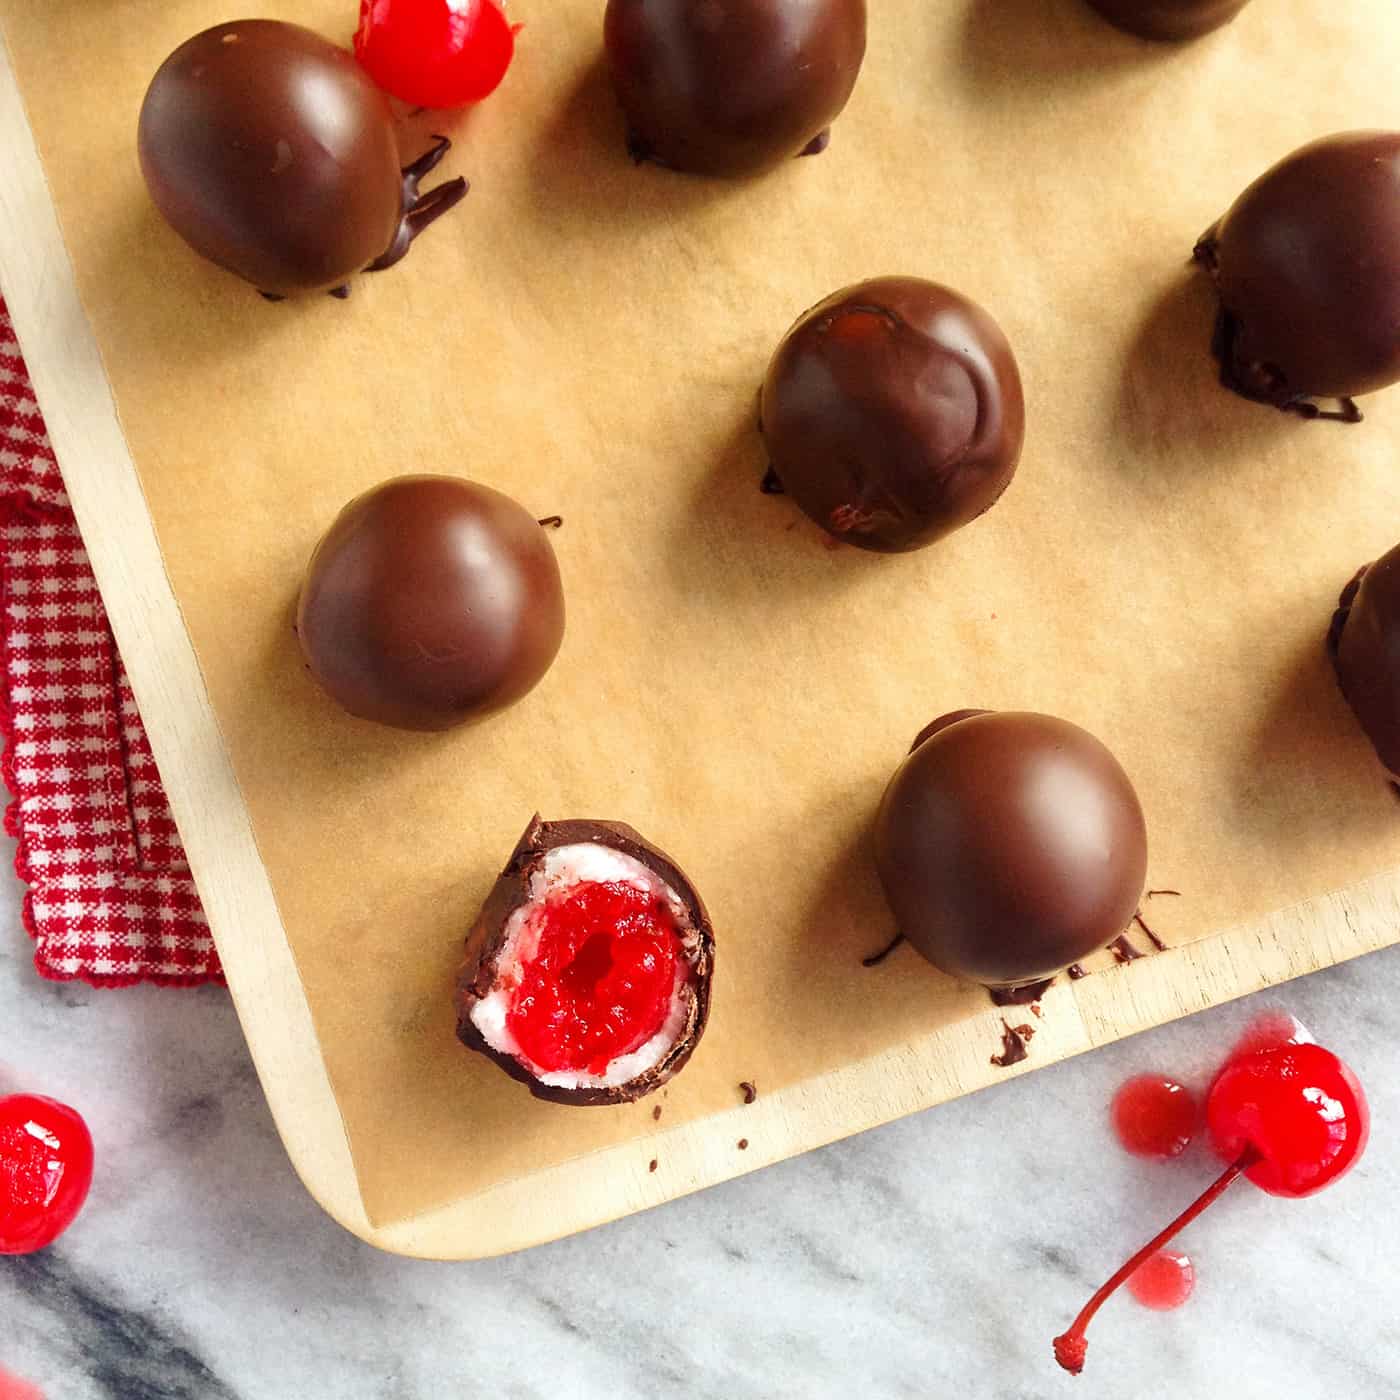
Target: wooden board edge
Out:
[1078,1016]
[75,397]
[72,387]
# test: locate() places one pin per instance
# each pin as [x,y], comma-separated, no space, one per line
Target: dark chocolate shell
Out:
[488,934]
[1364,642]
[1010,845]
[271,152]
[1306,263]
[430,602]
[1169,19]
[732,87]
[893,413]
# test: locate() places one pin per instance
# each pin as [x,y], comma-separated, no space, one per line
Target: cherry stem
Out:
[1071,1346]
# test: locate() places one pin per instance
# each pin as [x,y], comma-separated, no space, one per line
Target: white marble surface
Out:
[934,1257]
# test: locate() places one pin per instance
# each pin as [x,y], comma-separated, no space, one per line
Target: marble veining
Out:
[935,1257]
[121,1349]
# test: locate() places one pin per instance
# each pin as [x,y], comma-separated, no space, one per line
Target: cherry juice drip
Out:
[1164,1281]
[1154,1116]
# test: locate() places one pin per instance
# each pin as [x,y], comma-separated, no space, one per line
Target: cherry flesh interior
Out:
[601,982]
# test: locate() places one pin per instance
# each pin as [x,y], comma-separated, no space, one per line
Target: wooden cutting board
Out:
[588,336]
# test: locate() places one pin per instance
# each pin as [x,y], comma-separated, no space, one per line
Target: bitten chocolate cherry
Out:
[431,601]
[272,153]
[1010,845]
[732,87]
[1307,265]
[587,972]
[893,414]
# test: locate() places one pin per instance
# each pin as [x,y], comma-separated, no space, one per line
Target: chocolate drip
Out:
[1142,924]
[1019,996]
[1013,1045]
[1263,383]
[1123,951]
[420,210]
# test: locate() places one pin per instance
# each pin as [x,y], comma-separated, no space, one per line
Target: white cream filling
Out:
[562,867]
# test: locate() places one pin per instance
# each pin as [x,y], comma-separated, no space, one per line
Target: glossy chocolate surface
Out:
[270,152]
[1365,646]
[732,87]
[1010,845]
[1169,19]
[893,413]
[431,601]
[478,974]
[1307,265]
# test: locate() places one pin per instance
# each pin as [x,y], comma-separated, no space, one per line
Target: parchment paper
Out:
[589,336]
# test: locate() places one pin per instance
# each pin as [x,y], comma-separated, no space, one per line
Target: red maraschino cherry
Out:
[435,53]
[45,1171]
[1291,1117]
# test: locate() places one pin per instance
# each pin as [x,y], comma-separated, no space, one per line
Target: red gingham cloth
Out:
[110,899]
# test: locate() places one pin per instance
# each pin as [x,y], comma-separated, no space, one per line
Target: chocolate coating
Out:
[431,601]
[1307,265]
[893,413]
[1010,845]
[488,933]
[731,87]
[1365,646]
[1169,19]
[270,152]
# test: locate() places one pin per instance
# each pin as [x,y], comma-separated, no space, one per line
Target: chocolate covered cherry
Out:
[731,87]
[1010,845]
[272,153]
[1307,265]
[892,413]
[431,601]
